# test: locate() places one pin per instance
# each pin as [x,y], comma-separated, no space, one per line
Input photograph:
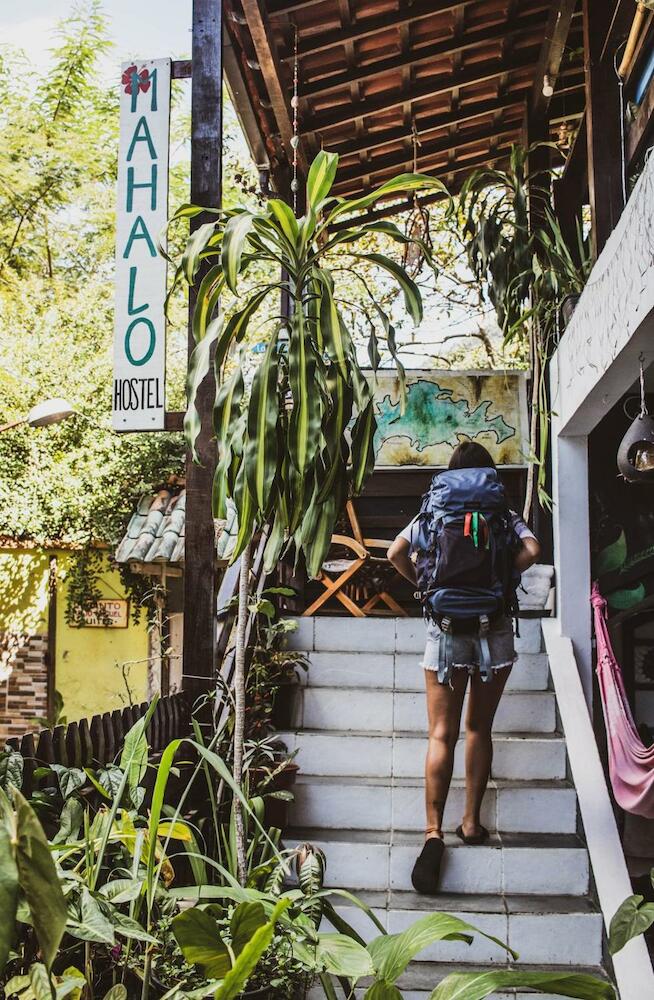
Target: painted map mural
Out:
[444,408]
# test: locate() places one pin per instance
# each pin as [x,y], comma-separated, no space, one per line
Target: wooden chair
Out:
[338,576]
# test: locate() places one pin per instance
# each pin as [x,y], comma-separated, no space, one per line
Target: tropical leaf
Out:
[196,244]
[246,962]
[246,510]
[91,924]
[317,545]
[412,296]
[198,369]
[382,991]
[261,455]
[207,299]
[363,450]
[198,937]
[392,953]
[478,985]
[245,920]
[70,779]
[335,334]
[340,955]
[235,236]
[117,992]
[134,755]
[304,426]
[38,879]
[40,982]
[285,218]
[11,769]
[322,174]
[633,917]
[8,893]
[402,184]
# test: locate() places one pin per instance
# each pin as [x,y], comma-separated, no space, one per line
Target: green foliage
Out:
[291,466]
[478,985]
[633,917]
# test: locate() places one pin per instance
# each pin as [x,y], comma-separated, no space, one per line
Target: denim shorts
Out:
[465,651]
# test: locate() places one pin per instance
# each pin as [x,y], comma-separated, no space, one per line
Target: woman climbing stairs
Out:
[360,727]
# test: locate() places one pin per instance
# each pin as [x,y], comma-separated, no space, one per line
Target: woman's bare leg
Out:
[444,704]
[482,705]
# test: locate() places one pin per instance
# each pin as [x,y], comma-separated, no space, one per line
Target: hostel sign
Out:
[141,215]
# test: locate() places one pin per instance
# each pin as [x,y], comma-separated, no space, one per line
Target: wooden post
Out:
[206,189]
[603,111]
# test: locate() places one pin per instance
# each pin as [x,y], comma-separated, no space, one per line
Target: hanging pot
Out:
[636,451]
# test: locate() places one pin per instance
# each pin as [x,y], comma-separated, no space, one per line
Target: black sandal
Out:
[476,840]
[426,871]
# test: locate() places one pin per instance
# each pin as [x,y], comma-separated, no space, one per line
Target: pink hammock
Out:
[631,764]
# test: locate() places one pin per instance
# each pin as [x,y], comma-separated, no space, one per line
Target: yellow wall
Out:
[88,661]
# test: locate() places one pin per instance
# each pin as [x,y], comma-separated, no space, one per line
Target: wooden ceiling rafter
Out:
[427,124]
[380,79]
[449,47]
[439,85]
[366,27]
[402,161]
[552,51]
[396,208]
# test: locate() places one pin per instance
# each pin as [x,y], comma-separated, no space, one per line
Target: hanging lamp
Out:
[636,451]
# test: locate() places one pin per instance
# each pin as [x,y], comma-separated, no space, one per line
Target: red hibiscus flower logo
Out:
[132,76]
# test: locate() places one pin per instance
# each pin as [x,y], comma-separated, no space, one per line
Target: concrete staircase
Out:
[360,733]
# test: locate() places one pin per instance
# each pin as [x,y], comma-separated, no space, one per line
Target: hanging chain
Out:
[644,412]
[415,140]
[295,139]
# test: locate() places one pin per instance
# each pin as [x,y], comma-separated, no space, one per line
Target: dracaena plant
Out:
[291,453]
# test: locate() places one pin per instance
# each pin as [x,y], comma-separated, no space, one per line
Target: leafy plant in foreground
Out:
[291,466]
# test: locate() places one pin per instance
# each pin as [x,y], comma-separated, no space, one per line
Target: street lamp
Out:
[50,411]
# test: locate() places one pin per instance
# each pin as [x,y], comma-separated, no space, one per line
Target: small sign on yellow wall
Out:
[108,613]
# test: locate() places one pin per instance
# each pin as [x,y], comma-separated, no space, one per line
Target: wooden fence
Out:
[97,741]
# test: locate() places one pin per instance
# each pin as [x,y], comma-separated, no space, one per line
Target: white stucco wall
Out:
[597,359]
[594,365]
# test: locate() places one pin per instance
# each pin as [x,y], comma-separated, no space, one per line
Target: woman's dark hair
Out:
[470,455]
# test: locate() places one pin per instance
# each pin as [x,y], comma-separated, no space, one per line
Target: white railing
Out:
[632,966]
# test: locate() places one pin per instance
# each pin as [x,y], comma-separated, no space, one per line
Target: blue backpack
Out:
[466,545]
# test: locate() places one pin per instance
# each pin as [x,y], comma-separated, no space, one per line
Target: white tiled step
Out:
[382,804]
[560,930]
[385,635]
[402,670]
[421,978]
[510,863]
[522,756]
[384,711]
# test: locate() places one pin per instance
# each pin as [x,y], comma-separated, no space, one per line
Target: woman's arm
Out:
[528,553]
[399,556]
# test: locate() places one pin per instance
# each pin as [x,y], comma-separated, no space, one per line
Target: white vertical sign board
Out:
[141,215]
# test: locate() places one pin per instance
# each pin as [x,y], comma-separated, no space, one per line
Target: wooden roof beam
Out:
[428,151]
[441,84]
[437,50]
[551,54]
[264,45]
[428,123]
[373,25]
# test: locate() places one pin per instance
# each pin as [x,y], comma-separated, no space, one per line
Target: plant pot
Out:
[568,307]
